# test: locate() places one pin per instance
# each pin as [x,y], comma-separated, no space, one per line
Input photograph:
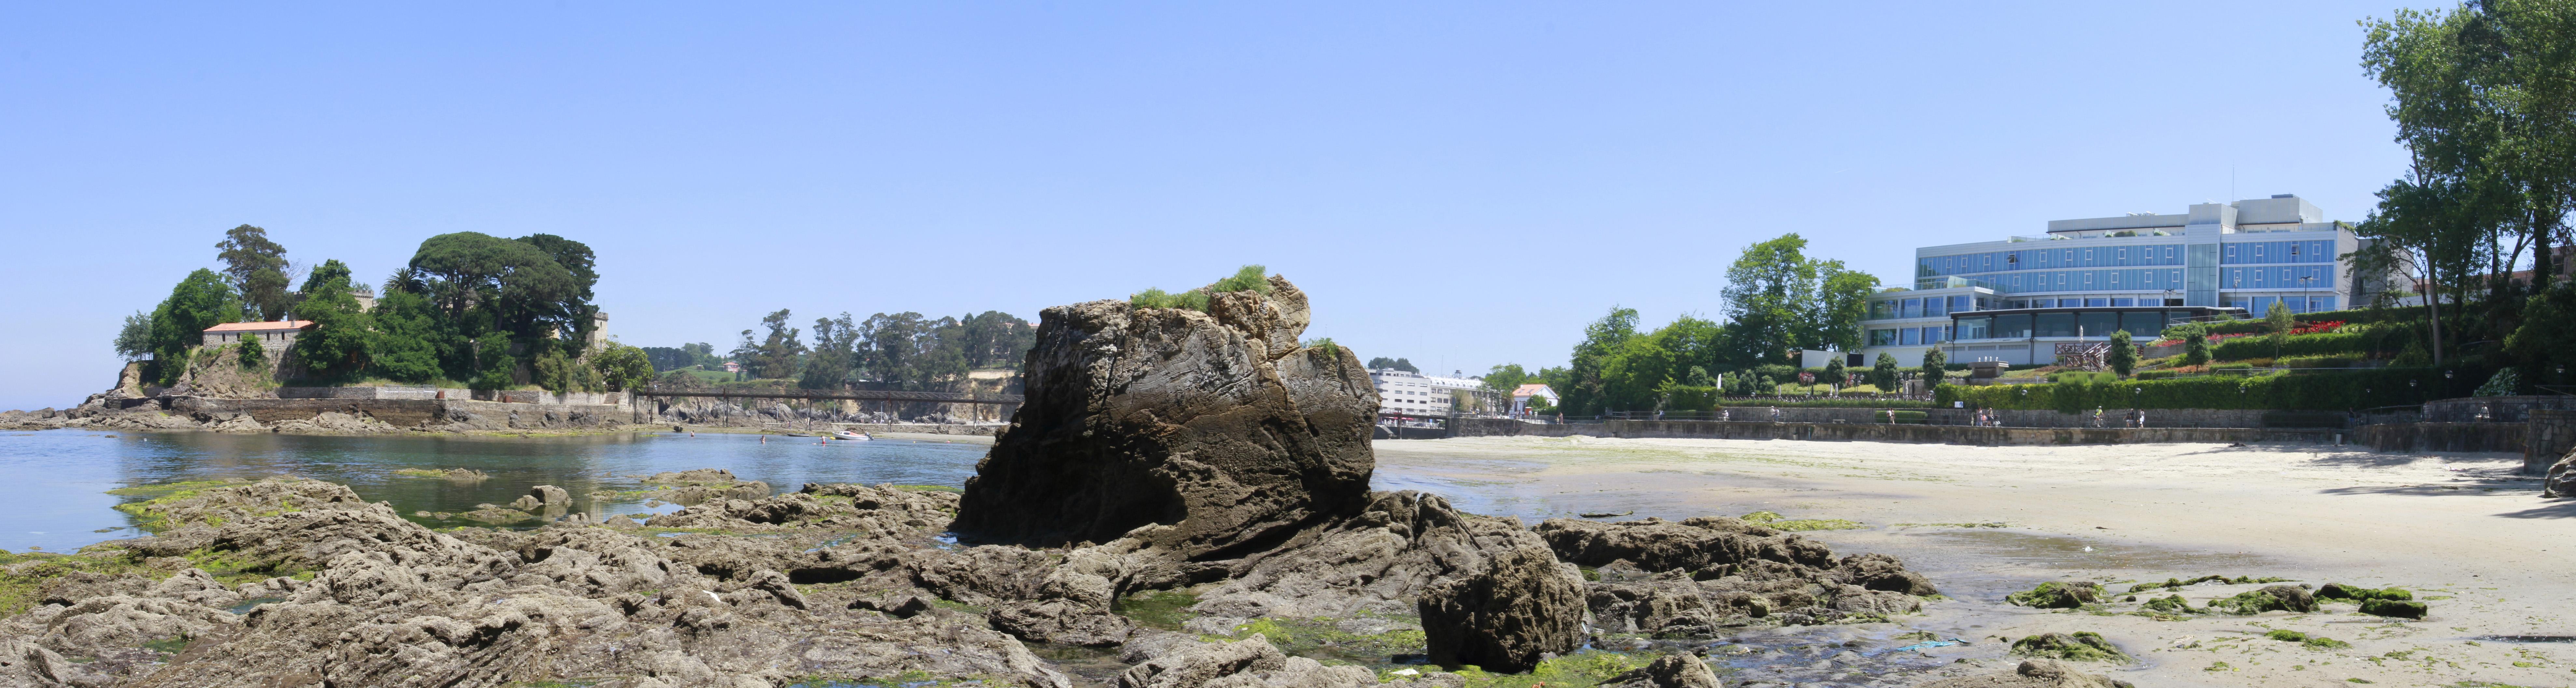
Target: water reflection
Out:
[52,483]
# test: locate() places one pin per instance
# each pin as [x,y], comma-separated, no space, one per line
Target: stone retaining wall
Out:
[430,414]
[2551,435]
[2444,437]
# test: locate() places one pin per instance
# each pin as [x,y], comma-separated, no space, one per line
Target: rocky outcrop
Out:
[1209,435]
[1683,670]
[1690,578]
[2560,480]
[1522,607]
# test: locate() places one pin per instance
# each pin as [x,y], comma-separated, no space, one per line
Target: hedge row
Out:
[2319,344]
[2324,391]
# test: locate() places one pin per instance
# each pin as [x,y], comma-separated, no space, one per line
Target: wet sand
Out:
[2460,530]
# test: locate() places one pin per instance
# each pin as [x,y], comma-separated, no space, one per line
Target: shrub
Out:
[2323,391]
[2505,383]
[1246,278]
[251,354]
[2321,344]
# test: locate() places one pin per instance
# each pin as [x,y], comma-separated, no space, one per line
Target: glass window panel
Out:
[2070,303]
[2056,325]
[1882,310]
[2097,323]
[2142,324]
[1913,308]
[1975,328]
[2097,303]
[1961,303]
[1882,337]
[2124,302]
[1908,336]
[1933,334]
[2011,326]
[1934,307]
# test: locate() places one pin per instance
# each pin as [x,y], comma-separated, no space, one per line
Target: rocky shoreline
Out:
[1183,502]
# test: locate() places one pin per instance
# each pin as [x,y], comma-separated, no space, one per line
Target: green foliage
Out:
[621,367]
[410,341]
[1324,344]
[2170,604]
[778,355]
[1247,278]
[2319,344]
[200,301]
[1833,373]
[256,269]
[1581,669]
[1883,373]
[2279,322]
[1777,299]
[2123,358]
[2252,602]
[1936,366]
[500,372]
[342,333]
[134,340]
[2324,391]
[1384,363]
[24,576]
[1158,609]
[250,355]
[2505,383]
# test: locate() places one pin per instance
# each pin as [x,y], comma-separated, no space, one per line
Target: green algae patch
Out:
[1582,669]
[2056,595]
[2167,608]
[2355,593]
[186,488]
[1158,609]
[2259,601]
[2081,646]
[2402,609]
[23,575]
[2177,583]
[931,488]
[1324,639]
[1775,521]
[2313,642]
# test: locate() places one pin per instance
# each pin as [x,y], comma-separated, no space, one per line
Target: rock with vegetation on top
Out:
[2081,646]
[2282,598]
[1208,435]
[2058,595]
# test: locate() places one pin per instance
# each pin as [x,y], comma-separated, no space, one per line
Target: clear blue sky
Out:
[1463,184]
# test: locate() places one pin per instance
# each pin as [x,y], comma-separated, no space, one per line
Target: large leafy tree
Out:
[255,267]
[342,332]
[777,354]
[1586,386]
[200,301]
[517,288]
[835,354]
[994,339]
[1779,299]
[412,342]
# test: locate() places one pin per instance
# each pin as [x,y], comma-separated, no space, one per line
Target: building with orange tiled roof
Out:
[270,335]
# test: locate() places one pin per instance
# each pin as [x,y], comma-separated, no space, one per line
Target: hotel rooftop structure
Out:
[2014,300]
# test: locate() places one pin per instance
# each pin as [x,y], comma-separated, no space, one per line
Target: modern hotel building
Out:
[2015,300]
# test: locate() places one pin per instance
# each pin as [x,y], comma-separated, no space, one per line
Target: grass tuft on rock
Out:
[2080,646]
[1247,278]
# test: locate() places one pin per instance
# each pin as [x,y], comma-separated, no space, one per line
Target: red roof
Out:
[274,326]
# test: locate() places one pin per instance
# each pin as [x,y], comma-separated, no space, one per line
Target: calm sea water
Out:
[53,483]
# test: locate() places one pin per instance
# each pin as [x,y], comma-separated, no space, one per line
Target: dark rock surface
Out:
[2035,673]
[1209,435]
[1507,617]
[1680,670]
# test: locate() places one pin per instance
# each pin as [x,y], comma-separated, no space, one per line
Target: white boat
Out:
[851,436]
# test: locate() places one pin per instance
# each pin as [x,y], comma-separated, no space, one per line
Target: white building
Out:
[2087,278]
[1522,395]
[1419,395]
[270,335]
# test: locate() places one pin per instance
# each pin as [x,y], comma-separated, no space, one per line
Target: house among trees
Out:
[270,335]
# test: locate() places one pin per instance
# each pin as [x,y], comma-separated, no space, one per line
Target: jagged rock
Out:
[2035,673]
[1682,670]
[1208,436]
[1376,562]
[875,512]
[1690,545]
[1521,606]
[697,476]
[2560,481]
[24,663]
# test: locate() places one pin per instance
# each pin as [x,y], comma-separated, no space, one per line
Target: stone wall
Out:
[1901,432]
[427,414]
[2551,433]
[2443,437]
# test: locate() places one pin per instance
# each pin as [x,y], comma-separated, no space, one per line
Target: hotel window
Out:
[1932,335]
[2142,323]
[2097,323]
[2097,303]
[1913,308]
[1908,337]
[1882,337]
[2056,325]
[1961,303]
[2011,326]
[1974,328]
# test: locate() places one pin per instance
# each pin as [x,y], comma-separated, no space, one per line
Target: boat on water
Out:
[851,436]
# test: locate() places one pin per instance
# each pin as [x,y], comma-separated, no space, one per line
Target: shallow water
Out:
[56,480]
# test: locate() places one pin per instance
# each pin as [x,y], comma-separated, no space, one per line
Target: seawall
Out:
[1897,432]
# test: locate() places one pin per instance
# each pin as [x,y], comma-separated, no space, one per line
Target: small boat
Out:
[851,436]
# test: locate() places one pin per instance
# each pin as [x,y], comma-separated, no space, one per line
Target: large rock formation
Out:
[1689,578]
[1520,609]
[1209,435]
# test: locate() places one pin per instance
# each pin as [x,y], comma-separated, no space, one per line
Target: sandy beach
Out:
[2459,530]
